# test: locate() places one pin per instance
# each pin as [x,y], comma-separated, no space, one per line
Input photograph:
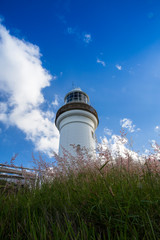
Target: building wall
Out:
[76,127]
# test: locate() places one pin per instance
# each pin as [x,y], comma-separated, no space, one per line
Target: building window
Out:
[92,134]
[76,97]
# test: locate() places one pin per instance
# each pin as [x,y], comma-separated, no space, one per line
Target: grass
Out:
[107,202]
[85,199]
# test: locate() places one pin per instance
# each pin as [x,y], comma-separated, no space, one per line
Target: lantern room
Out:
[76,95]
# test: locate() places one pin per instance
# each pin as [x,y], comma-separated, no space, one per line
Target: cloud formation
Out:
[117,146]
[101,62]
[157,129]
[107,131]
[118,67]
[127,123]
[87,38]
[75,31]
[22,79]
[55,103]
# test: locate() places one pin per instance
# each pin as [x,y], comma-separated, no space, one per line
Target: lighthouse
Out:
[76,121]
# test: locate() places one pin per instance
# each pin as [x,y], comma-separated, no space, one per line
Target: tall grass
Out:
[86,199]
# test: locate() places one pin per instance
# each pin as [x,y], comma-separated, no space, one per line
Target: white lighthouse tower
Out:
[76,121]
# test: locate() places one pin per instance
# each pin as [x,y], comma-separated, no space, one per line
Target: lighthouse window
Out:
[80,96]
[92,134]
[69,98]
[84,98]
[76,97]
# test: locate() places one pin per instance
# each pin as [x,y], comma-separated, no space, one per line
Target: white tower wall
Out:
[76,127]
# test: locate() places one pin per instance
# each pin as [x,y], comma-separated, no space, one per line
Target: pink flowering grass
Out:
[86,197]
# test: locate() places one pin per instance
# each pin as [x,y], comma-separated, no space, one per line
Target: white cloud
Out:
[55,103]
[118,67]
[146,152]
[120,147]
[87,38]
[3,110]
[157,129]
[156,149]
[75,31]
[22,79]
[101,62]
[127,123]
[117,146]
[107,131]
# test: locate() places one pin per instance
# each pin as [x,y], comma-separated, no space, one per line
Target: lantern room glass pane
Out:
[76,97]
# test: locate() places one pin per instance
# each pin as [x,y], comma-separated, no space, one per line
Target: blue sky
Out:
[111,49]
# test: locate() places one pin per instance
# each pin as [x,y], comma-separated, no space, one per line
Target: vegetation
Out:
[86,199]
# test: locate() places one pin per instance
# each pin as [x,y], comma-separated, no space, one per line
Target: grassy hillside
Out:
[115,200]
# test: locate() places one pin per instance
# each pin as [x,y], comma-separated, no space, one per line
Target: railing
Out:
[17,174]
[76,105]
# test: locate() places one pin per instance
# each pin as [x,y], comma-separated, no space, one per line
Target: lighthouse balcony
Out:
[76,106]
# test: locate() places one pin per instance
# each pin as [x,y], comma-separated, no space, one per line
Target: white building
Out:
[76,121]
